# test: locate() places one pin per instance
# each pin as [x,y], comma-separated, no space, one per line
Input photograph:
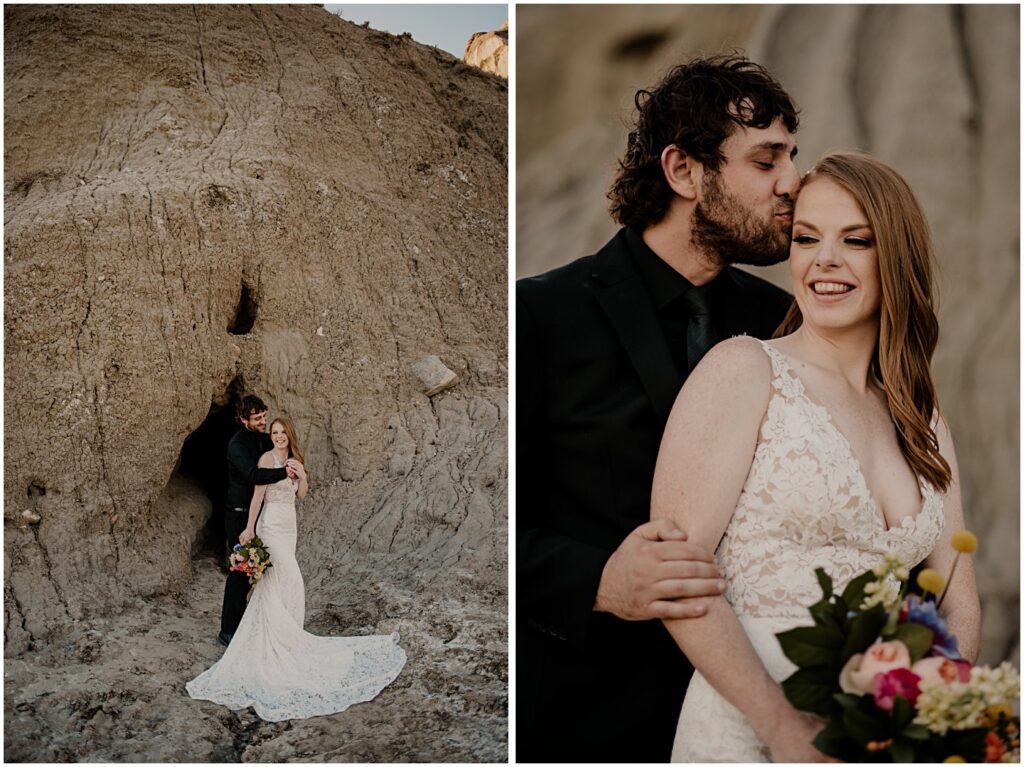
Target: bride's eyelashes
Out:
[856,242]
[859,242]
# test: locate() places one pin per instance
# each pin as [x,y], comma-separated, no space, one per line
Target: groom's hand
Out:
[656,574]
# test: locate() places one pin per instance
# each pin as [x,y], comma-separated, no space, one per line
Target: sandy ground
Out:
[113,689]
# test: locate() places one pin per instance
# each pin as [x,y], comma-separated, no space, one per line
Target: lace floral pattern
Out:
[281,492]
[805,504]
[275,666]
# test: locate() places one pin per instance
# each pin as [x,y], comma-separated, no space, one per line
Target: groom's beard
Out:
[729,233]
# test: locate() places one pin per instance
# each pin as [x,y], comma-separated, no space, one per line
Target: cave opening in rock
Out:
[204,462]
[245,314]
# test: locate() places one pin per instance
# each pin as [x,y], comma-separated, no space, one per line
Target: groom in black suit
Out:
[603,346]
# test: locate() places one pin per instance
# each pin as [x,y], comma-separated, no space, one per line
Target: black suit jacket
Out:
[595,385]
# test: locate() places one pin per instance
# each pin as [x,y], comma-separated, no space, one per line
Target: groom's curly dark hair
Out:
[247,406]
[696,106]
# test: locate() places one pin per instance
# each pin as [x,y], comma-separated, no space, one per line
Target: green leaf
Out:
[853,594]
[916,637]
[819,611]
[862,718]
[811,689]
[863,726]
[825,582]
[864,630]
[829,615]
[902,751]
[902,714]
[812,645]
[847,699]
[834,741]
[916,732]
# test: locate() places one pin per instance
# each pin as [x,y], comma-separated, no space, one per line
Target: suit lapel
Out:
[622,295]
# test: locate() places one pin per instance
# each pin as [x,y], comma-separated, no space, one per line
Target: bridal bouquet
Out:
[251,559]
[881,667]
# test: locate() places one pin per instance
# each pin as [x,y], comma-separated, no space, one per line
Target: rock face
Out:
[932,90]
[489,51]
[206,201]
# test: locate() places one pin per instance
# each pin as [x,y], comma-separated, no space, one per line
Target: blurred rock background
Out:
[932,90]
[204,201]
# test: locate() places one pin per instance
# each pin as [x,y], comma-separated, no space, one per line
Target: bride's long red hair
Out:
[908,327]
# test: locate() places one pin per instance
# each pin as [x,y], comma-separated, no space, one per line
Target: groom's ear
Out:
[681,171]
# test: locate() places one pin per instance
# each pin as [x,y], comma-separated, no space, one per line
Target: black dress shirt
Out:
[667,288]
[244,451]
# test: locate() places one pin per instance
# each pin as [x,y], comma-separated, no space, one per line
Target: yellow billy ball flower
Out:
[930,580]
[992,713]
[964,541]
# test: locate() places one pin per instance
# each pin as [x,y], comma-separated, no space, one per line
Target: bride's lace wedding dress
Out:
[276,667]
[805,504]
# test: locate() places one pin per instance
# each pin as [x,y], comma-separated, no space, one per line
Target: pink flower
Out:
[899,681]
[942,669]
[858,675]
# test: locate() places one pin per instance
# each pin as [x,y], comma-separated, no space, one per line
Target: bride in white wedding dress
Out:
[822,448]
[272,664]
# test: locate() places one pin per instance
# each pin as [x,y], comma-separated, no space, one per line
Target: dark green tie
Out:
[700,332]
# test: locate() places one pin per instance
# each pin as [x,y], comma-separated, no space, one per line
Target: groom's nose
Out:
[789,180]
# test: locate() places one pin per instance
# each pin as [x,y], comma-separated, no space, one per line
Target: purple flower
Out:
[924,612]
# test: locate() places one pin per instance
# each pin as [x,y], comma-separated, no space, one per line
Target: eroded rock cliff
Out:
[489,51]
[210,200]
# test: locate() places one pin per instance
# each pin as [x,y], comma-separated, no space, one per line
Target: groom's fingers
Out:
[688,588]
[682,550]
[686,569]
[660,530]
[666,610]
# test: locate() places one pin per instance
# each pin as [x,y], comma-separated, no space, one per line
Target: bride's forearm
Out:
[254,506]
[719,648]
[963,620]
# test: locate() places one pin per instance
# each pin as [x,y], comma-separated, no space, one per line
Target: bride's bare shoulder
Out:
[739,359]
[266,460]
[734,376]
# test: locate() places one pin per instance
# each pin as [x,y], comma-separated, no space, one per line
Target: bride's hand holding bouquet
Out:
[250,558]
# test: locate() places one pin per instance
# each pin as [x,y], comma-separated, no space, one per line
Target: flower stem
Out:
[949,580]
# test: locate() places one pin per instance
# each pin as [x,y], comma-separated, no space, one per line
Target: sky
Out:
[447,27]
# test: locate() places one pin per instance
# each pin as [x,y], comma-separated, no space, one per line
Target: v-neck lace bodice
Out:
[282,491]
[806,504]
